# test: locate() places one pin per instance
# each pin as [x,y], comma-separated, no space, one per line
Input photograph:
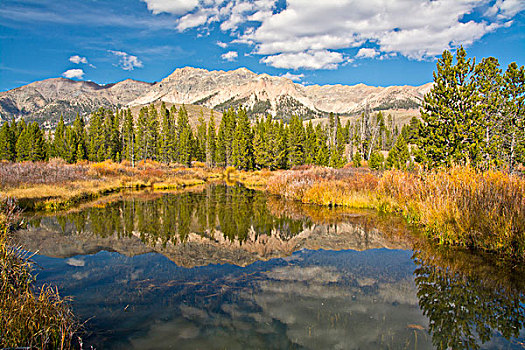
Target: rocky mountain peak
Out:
[260,94]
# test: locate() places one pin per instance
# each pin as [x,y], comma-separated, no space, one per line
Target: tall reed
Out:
[29,317]
[456,206]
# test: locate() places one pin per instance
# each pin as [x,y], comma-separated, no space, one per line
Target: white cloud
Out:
[308,60]
[506,8]
[77,59]
[313,32]
[74,73]
[171,6]
[230,56]
[294,77]
[366,53]
[221,44]
[127,61]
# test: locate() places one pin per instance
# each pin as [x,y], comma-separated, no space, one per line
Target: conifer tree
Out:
[128,137]
[185,137]
[310,144]
[261,144]
[242,152]
[81,137]
[452,132]
[69,151]
[96,151]
[58,139]
[7,151]
[399,155]
[211,142]
[164,141]
[296,141]
[514,109]
[200,139]
[141,134]
[323,154]
[23,144]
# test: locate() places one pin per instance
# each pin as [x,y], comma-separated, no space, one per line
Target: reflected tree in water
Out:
[466,308]
[170,218]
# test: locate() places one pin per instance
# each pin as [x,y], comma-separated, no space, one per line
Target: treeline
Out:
[473,115]
[166,136]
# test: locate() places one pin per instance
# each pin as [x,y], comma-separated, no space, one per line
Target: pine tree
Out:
[58,140]
[23,144]
[81,137]
[211,142]
[96,138]
[399,155]
[452,131]
[514,119]
[296,142]
[200,139]
[128,138]
[185,137]
[6,143]
[322,156]
[310,145]
[164,143]
[261,149]
[141,134]
[242,152]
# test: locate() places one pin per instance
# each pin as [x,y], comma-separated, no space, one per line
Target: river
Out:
[225,267]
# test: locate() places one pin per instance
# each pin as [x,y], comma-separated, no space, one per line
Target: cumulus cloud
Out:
[230,56]
[506,8]
[316,32]
[171,6]
[77,59]
[308,60]
[221,44]
[294,77]
[366,53]
[74,73]
[127,61]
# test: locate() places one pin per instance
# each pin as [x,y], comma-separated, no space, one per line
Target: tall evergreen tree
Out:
[242,152]
[7,149]
[211,145]
[452,132]
[296,141]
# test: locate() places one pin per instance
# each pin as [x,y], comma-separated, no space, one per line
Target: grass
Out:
[57,186]
[457,206]
[29,317]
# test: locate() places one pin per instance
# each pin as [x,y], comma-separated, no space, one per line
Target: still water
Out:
[225,267]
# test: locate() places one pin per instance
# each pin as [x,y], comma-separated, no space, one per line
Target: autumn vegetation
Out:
[29,316]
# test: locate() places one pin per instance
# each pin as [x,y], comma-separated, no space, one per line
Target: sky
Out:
[375,42]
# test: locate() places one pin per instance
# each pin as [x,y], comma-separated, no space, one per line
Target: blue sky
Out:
[376,42]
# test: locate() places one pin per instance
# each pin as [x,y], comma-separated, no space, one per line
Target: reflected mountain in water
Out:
[221,224]
[228,267]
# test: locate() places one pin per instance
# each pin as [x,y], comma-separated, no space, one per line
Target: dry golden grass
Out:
[29,318]
[89,181]
[457,206]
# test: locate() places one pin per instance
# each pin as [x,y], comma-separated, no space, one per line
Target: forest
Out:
[474,115]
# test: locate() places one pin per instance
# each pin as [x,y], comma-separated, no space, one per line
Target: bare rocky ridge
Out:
[45,100]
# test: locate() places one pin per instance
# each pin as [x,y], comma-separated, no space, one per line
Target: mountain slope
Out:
[44,101]
[260,94]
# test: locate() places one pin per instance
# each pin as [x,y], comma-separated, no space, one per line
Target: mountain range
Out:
[44,101]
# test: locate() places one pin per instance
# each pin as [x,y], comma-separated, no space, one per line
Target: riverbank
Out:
[30,317]
[457,206]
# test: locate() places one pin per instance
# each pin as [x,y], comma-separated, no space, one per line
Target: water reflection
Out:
[469,300]
[267,273]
